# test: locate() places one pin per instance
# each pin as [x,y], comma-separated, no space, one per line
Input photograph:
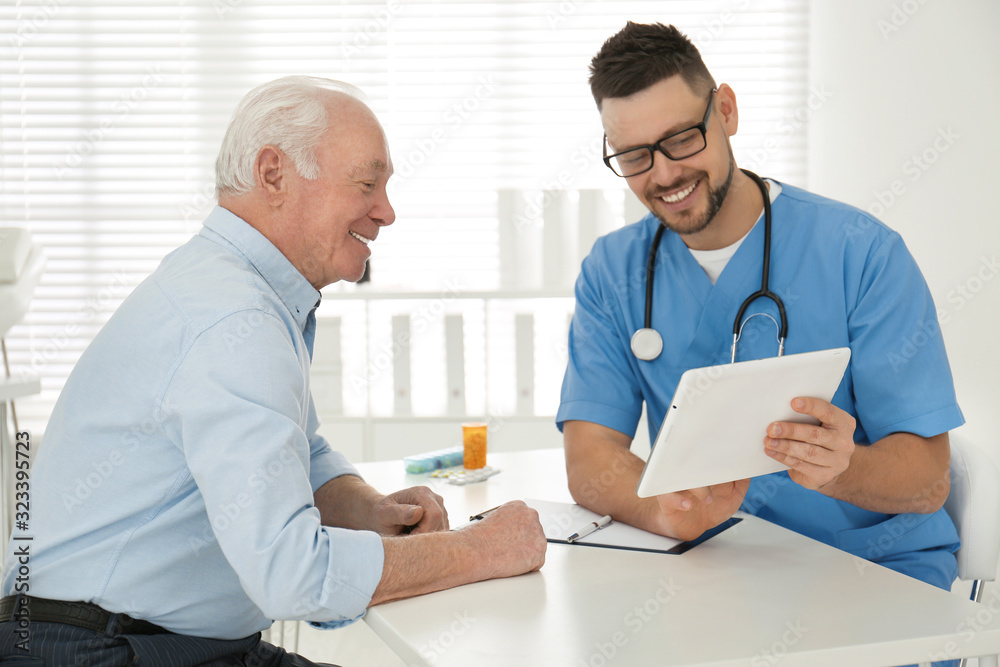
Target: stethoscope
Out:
[647,342]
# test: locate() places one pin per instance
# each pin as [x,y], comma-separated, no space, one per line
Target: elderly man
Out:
[219,507]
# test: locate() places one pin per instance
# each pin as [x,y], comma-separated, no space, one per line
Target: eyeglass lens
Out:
[677,147]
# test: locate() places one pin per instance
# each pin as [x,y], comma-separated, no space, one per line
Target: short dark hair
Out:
[641,55]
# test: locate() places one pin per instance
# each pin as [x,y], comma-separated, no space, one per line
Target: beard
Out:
[692,223]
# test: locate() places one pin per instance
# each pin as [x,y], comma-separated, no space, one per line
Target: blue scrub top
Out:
[846,280]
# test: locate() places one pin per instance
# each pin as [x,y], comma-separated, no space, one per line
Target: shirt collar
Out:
[292,288]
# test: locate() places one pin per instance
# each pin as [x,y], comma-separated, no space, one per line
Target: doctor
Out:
[872,477]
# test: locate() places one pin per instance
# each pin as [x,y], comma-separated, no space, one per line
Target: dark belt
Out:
[79,614]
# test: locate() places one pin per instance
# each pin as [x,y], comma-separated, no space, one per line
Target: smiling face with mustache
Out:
[701,197]
[688,220]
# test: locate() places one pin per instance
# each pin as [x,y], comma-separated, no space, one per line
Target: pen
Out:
[477,517]
[591,527]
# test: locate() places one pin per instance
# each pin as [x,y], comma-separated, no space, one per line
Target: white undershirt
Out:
[714,261]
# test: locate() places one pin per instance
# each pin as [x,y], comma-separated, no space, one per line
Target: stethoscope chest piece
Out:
[647,344]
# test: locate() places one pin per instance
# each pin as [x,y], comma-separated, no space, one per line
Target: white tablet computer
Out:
[714,429]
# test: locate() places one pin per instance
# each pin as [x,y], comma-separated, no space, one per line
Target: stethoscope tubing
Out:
[647,343]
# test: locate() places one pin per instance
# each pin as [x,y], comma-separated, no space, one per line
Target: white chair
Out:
[974,506]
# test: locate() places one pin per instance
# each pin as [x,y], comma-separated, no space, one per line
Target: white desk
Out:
[756,595]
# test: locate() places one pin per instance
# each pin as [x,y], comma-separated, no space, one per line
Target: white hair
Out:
[288,113]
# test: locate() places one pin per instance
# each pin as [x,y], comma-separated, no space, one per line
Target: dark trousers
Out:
[61,645]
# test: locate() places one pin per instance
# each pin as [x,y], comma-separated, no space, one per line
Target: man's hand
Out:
[348,502]
[593,450]
[510,540]
[414,510]
[690,513]
[816,455]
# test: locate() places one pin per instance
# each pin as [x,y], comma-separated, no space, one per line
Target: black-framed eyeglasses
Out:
[677,146]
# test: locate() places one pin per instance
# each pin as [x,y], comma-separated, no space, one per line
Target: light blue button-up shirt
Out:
[175,481]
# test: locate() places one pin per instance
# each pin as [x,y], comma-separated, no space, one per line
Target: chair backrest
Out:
[15,294]
[974,506]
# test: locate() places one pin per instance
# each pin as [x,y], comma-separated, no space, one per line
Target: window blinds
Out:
[111,114]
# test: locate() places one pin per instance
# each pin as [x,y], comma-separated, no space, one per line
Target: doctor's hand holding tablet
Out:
[687,514]
[816,456]
[731,422]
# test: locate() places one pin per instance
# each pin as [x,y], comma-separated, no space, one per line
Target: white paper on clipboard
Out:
[560,520]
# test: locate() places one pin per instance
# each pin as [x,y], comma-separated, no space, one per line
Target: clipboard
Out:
[560,520]
[714,429]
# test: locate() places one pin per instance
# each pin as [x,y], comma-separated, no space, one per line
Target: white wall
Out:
[908,78]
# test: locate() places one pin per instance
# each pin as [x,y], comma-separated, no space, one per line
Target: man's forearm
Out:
[900,473]
[603,475]
[508,542]
[347,502]
[419,564]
